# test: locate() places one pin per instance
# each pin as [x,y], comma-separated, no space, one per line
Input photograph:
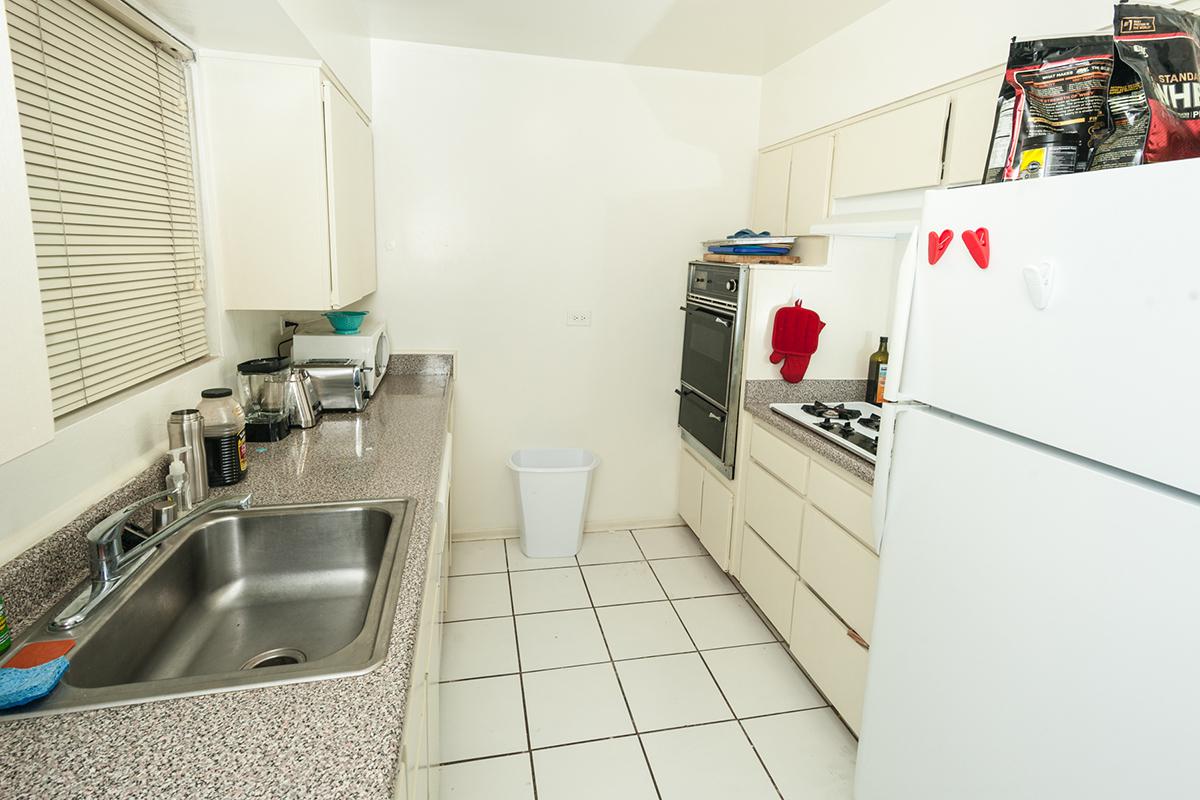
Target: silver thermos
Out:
[185,428]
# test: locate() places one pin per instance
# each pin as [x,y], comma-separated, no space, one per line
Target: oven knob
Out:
[731,285]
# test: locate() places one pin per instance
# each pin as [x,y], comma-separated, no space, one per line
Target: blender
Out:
[265,398]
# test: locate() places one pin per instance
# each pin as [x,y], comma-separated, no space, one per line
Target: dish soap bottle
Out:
[877,373]
[177,481]
[5,634]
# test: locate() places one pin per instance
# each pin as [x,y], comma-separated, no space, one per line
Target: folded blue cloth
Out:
[746,233]
[21,686]
[749,250]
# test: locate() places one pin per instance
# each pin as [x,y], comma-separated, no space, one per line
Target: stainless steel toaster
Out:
[339,383]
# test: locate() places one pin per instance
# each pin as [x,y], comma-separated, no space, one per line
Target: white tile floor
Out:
[636,670]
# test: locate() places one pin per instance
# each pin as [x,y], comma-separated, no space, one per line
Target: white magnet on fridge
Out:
[1039,281]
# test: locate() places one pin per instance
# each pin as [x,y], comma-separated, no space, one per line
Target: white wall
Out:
[904,48]
[852,295]
[339,32]
[511,189]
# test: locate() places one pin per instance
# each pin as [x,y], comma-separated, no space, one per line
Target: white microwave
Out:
[369,346]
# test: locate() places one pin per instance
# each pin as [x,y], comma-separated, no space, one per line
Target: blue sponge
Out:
[21,686]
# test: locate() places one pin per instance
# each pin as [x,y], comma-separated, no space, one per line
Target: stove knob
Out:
[731,285]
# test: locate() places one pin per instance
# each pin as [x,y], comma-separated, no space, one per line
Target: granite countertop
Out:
[761,394]
[330,738]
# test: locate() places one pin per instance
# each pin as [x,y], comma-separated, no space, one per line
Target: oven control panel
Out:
[720,282]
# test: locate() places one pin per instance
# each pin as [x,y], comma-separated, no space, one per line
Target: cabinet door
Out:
[900,149]
[771,191]
[691,488]
[351,181]
[775,511]
[716,519]
[263,158]
[972,114]
[768,580]
[830,656]
[808,187]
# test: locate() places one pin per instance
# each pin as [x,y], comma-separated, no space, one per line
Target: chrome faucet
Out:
[109,562]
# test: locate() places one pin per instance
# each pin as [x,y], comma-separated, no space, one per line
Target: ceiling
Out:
[747,37]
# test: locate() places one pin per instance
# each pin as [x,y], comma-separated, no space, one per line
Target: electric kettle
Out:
[303,400]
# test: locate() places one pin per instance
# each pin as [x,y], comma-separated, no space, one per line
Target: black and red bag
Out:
[1154,95]
[1051,108]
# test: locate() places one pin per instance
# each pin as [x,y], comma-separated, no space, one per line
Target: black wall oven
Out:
[710,378]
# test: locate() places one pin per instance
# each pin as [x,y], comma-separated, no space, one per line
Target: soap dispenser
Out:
[177,480]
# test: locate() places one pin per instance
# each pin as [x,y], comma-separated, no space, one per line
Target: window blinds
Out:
[104,119]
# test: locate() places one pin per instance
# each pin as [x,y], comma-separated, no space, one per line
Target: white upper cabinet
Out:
[896,150]
[351,180]
[771,191]
[808,188]
[971,117]
[289,186]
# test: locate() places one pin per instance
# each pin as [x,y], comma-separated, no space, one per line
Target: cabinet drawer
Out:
[840,569]
[775,512]
[836,662]
[845,504]
[780,459]
[768,580]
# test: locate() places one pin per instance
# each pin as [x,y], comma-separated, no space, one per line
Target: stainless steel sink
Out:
[238,599]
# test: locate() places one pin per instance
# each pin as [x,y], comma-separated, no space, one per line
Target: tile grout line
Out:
[617,674]
[512,604]
[613,662]
[732,713]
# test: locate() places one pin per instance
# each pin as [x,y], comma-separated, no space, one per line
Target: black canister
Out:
[224,437]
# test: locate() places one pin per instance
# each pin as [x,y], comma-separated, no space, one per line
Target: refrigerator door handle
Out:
[905,282]
[889,420]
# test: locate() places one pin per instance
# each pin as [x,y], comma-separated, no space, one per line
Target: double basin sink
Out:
[239,599]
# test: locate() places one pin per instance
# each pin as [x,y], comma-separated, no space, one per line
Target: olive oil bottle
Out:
[877,373]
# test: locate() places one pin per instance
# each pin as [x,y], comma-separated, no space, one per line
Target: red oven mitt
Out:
[794,340]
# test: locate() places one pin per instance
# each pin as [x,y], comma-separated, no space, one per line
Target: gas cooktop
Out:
[855,426]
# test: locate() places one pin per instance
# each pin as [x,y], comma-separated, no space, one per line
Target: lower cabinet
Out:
[805,562]
[416,777]
[768,579]
[706,505]
[830,654]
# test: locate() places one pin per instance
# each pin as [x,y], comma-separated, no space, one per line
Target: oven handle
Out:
[720,319]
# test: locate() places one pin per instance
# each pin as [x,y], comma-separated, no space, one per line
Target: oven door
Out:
[704,421]
[708,338]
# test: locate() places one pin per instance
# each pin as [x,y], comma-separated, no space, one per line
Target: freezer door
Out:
[1083,329]
[1035,630]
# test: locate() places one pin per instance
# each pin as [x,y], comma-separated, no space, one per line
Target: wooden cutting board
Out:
[722,258]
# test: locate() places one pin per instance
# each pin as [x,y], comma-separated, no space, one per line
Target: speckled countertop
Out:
[334,738]
[759,395]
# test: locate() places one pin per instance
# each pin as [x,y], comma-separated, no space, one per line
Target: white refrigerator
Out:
[1037,630]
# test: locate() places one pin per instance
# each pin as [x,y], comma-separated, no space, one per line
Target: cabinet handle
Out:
[858,640]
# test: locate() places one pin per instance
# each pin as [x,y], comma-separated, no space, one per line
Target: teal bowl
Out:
[345,321]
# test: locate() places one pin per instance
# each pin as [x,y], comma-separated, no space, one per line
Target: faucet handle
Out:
[111,526]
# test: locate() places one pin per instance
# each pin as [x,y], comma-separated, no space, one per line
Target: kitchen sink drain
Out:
[279,657]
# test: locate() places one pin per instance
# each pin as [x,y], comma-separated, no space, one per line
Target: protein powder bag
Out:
[1154,98]
[1051,108]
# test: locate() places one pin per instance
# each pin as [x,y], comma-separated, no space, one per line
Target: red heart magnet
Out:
[979,246]
[938,244]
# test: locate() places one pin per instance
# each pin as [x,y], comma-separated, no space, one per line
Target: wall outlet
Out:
[579,318]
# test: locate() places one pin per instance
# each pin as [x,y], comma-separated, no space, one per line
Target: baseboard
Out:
[590,527]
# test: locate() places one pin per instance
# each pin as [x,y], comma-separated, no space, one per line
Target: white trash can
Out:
[552,488]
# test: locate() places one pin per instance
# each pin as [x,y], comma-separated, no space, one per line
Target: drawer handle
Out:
[713,416]
[858,640]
